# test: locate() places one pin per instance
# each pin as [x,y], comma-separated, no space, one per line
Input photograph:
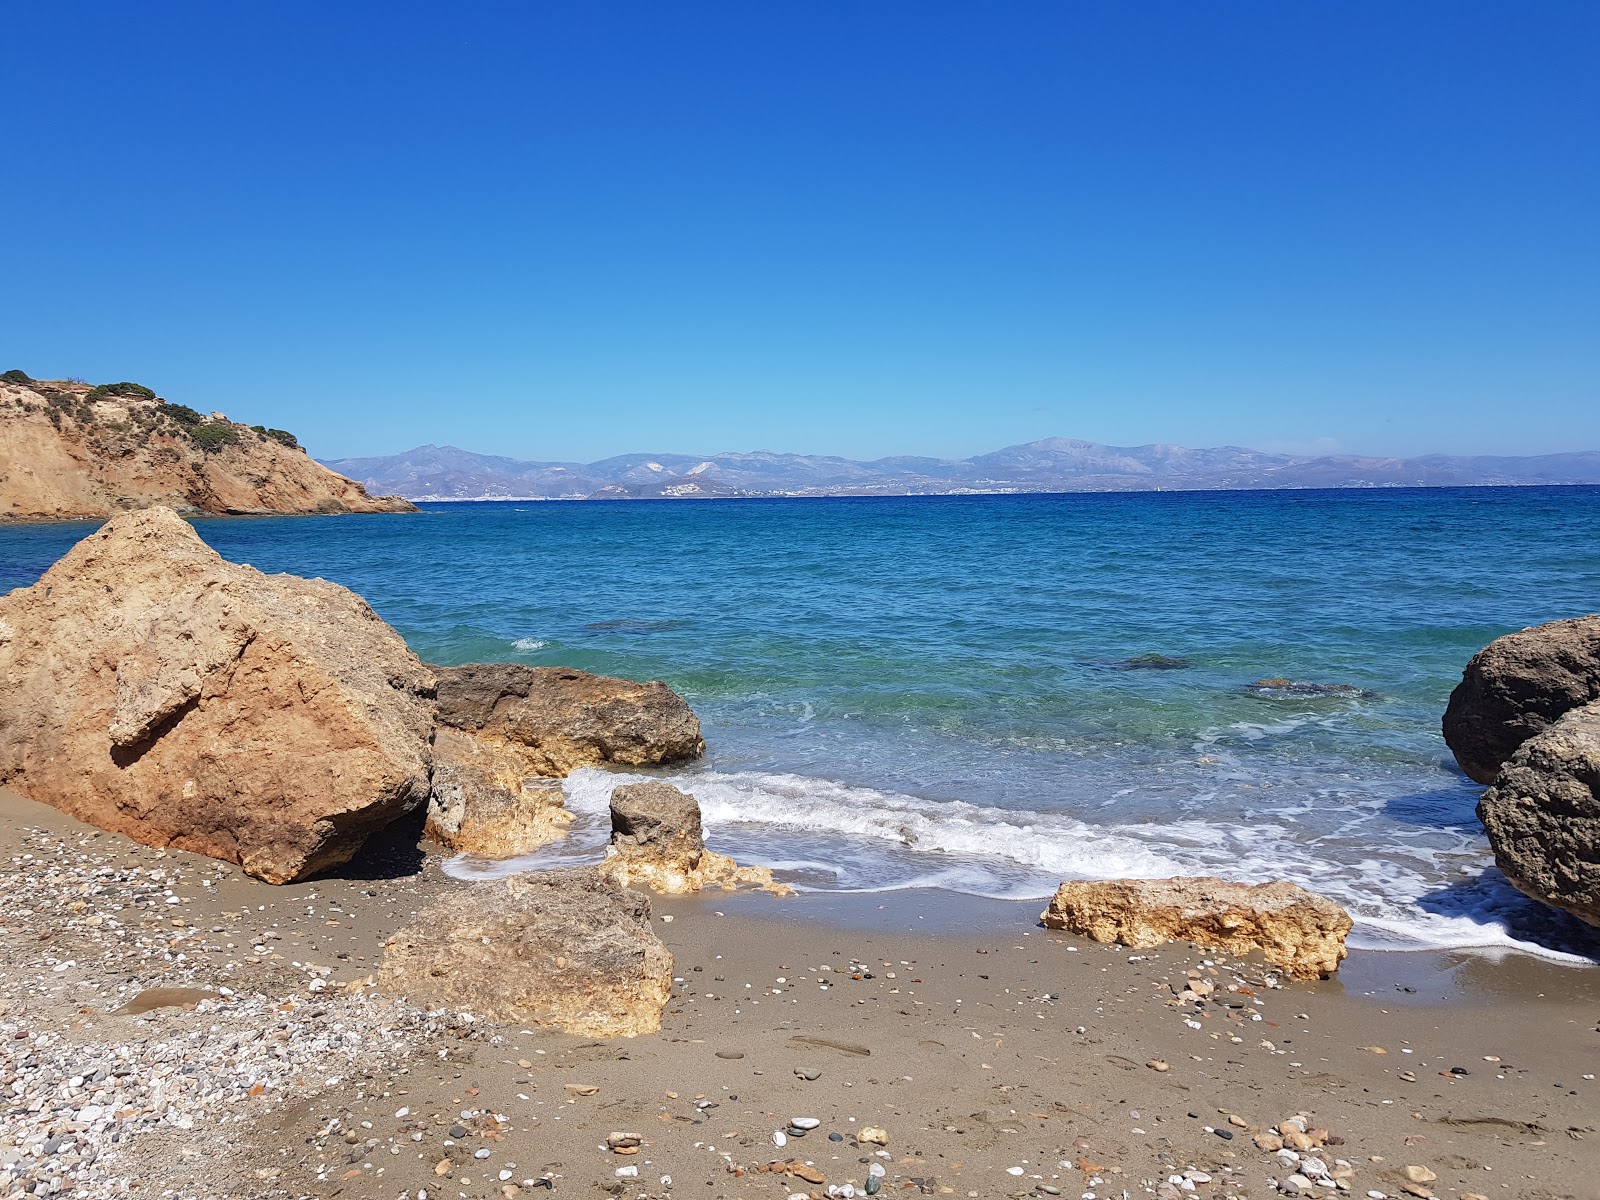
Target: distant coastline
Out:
[1145,491]
[442,474]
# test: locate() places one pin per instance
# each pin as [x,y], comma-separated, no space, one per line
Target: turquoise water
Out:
[938,691]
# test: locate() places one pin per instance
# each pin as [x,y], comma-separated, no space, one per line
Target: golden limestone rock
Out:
[506,731]
[1293,929]
[656,842]
[156,690]
[488,800]
[568,950]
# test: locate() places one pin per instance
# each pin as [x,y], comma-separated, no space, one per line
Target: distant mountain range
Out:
[1050,465]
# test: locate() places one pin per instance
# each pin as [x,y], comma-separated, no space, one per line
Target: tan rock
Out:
[564,949]
[156,690]
[1417,1174]
[1294,929]
[561,719]
[70,453]
[487,799]
[657,842]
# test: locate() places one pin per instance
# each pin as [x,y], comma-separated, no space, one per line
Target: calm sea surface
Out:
[945,691]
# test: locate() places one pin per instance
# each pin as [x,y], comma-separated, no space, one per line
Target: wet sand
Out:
[999,1058]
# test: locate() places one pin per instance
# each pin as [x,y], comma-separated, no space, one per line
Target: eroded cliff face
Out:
[70,452]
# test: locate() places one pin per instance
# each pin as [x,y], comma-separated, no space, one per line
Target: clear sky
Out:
[569,230]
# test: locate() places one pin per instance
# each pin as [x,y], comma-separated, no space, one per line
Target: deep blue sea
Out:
[946,692]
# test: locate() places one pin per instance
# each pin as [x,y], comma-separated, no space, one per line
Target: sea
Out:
[991,694]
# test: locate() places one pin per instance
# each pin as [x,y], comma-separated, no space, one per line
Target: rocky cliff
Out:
[69,451]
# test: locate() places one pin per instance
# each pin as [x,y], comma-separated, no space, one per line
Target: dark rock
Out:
[1516,686]
[561,719]
[1542,815]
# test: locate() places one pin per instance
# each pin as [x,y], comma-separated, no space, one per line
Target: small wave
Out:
[528,645]
[837,837]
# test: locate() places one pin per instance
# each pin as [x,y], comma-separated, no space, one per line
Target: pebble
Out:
[804,1122]
[779,1139]
[809,1074]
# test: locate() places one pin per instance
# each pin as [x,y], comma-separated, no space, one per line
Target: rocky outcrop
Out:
[1516,687]
[559,719]
[657,842]
[485,801]
[1542,814]
[1293,929]
[568,950]
[154,689]
[71,452]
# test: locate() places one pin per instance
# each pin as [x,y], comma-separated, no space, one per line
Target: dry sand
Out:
[999,1058]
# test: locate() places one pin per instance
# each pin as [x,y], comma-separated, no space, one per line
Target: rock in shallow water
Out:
[657,842]
[564,949]
[159,691]
[1294,929]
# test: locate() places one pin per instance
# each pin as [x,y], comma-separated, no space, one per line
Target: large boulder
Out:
[1299,931]
[567,950]
[657,842]
[559,719]
[1543,815]
[154,689]
[1516,686]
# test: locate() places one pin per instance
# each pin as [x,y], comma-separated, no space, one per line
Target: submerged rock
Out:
[1516,686]
[1299,931]
[559,719]
[1542,815]
[657,842]
[568,950]
[1155,662]
[156,690]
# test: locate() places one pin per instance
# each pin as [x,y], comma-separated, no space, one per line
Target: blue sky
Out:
[570,230]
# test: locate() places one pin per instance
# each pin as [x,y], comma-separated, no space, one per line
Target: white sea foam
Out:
[528,645]
[1433,889]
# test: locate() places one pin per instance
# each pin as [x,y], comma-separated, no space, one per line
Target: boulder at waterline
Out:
[560,719]
[569,950]
[1542,815]
[156,690]
[487,801]
[1299,931]
[657,842]
[1516,686]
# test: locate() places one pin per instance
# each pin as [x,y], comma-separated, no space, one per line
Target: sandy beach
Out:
[997,1059]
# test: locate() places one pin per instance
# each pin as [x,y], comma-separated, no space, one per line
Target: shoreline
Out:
[993,1049]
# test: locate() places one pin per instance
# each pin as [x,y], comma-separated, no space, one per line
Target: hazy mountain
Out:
[1049,465]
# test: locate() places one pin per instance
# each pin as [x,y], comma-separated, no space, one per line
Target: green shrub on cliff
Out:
[214,435]
[16,377]
[135,391]
[182,414]
[284,436]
